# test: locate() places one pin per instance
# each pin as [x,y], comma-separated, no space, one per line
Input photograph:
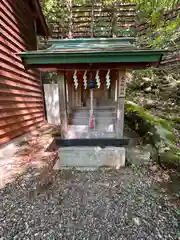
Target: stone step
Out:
[96,114]
[91,157]
[105,115]
[98,121]
[105,128]
[92,134]
[102,108]
[101,117]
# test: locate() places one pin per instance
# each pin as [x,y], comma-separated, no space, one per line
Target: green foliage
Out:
[150,10]
[164,35]
[49,77]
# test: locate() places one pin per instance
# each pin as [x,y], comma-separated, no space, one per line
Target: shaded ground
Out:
[104,204]
[36,151]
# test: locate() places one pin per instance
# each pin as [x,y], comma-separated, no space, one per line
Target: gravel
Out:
[102,204]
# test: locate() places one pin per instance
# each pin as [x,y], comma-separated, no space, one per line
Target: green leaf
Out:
[178,211]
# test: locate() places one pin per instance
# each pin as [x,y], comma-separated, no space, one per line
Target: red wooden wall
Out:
[21,102]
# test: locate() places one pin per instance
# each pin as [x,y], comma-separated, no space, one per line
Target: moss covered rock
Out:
[154,130]
[171,158]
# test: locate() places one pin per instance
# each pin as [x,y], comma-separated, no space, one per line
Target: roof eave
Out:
[90,40]
[98,58]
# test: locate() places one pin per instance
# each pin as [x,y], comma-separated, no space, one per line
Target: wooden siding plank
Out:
[23,23]
[11,27]
[17,112]
[7,67]
[10,135]
[19,99]
[17,126]
[18,85]
[8,77]
[12,37]
[21,112]
[9,106]
[21,73]
[16,36]
[7,40]
[9,17]
[13,92]
[17,77]
[13,121]
[9,51]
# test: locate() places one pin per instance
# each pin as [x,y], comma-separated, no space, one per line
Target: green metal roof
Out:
[91,50]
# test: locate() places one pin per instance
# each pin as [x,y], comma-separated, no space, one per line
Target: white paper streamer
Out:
[85,79]
[75,79]
[108,81]
[98,79]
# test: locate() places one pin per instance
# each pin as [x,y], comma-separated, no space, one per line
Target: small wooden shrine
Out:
[92,47]
[92,73]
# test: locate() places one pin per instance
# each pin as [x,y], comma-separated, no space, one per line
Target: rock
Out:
[147,90]
[150,104]
[154,168]
[146,79]
[138,156]
[136,221]
[155,131]
[148,126]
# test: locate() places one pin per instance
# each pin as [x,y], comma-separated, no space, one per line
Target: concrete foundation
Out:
[91,157]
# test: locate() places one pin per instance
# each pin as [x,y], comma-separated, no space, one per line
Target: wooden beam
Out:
[99,66]
[62,99]
[41,17]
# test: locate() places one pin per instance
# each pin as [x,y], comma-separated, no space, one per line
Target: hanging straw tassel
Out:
[91,118]
[91,122]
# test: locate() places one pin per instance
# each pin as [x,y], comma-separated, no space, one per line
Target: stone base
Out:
[91,157]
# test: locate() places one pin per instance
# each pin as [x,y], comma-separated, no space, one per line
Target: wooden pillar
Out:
[70,93]
[62,99]
[120,103]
